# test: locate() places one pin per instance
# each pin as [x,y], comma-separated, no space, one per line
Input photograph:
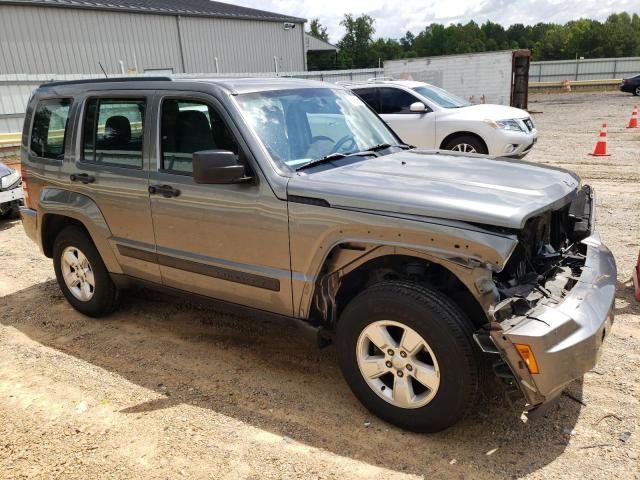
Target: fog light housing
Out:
[527,357]
[511,148]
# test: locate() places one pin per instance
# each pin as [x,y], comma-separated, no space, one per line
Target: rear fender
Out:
[54,201]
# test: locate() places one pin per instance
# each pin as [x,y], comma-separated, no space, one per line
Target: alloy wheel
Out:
[398,364]
[77,274]
[464,147]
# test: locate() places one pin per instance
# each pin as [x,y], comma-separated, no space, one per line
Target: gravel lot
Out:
[165,388]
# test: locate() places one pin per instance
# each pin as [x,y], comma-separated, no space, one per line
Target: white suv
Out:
[430,117]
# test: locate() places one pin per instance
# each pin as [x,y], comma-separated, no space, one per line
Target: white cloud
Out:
[395,17]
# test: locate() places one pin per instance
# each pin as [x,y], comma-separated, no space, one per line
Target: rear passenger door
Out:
[112,169]
[230,242]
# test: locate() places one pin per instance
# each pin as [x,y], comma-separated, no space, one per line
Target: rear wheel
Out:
[407,353]
[466,144]
[637,91]
[81,274]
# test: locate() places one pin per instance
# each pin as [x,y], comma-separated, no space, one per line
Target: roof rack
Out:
[107,80]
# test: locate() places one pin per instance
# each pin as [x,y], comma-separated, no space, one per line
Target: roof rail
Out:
[364,82]
[106,80]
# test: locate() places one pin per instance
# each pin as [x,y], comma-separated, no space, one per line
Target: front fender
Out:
[316,231]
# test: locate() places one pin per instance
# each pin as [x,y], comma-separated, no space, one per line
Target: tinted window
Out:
[189,127]
[113,132]
[50,128]
[370,97]
[394,100]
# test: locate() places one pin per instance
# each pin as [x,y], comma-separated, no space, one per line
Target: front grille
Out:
[529,123]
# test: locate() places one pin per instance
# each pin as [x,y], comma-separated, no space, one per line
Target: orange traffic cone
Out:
[601,145]
[633,123]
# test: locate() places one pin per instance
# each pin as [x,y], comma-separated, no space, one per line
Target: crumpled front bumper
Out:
[566,338]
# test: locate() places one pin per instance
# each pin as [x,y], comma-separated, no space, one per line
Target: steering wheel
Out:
[319,138]
[343,141]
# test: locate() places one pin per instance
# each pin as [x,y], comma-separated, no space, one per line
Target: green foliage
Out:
[617,36]
[317,30]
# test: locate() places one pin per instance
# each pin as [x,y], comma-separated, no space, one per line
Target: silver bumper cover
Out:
[566,338]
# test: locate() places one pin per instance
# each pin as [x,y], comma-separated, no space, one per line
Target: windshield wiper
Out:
[367,152]
[334,156]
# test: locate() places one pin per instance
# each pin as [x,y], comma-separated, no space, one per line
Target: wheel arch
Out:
[343,277]
[61,208]
[457,134]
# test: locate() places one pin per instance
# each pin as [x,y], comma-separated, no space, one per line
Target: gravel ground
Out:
[164,388]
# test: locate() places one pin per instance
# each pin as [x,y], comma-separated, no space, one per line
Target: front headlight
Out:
[9,180]
[512,125]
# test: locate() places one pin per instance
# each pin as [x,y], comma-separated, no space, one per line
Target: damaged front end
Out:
[556,302]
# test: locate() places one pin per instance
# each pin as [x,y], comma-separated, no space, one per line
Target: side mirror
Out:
[418,107]
[218,167]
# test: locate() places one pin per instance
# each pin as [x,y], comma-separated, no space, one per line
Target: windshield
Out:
[441,97]
[299,126]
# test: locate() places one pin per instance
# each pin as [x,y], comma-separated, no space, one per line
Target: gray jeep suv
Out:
[293,198]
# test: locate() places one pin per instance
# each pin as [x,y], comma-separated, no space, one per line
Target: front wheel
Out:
[636,92]
[466,144]
[408,355]
[81,273]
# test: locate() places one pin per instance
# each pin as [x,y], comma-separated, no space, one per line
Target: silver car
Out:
[292,198]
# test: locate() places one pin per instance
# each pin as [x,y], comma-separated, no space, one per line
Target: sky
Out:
[395,17]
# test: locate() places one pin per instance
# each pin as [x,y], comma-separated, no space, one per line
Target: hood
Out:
[478,189]
[4,170]
[487,111]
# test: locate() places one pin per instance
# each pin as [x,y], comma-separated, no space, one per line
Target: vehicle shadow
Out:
[262,372]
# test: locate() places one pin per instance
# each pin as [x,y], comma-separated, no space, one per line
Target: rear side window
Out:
[394,100]
[370,97]
[113,132]
[50,128]
[187,127]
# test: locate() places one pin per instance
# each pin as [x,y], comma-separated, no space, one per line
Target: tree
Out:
[618,36]
[355,46]
[317,30]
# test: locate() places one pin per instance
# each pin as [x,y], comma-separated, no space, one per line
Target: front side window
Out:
[187,127]
[114,132]
[297,126]
[394,100]
[50,127]
[441,97]
[370,97]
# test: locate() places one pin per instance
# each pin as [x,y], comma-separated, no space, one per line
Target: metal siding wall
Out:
[469,75]
[241,46]
[589,69]
[58,41]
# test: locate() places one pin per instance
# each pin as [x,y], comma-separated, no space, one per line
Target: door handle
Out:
[82,177]
[167,191]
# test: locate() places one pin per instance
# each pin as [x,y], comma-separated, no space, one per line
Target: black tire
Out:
[636,92]
[476,143]
[105,293]
[449,334]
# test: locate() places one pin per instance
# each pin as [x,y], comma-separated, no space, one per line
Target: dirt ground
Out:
[165,388]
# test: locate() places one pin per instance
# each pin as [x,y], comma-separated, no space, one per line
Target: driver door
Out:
[226,241]
[415,128]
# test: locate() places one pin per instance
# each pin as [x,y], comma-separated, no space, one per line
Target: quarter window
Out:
[50,128]
[394,100]
[114,132]
[188,127]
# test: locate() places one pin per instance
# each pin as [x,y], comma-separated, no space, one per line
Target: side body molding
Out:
[55,201]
